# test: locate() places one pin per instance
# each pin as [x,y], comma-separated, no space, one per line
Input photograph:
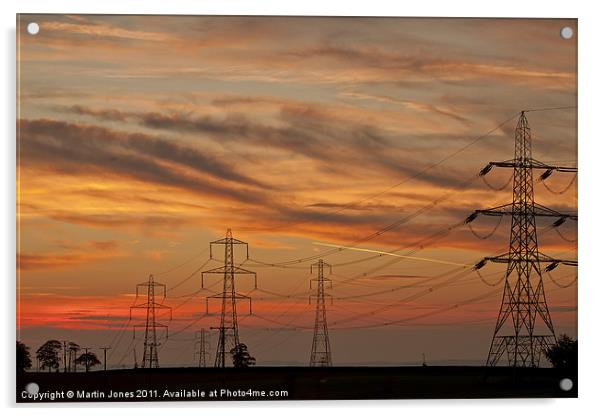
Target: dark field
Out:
[299,383]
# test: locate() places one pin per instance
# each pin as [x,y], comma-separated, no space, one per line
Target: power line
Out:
[414,296]
[424,315]
[404,181]
[563,190]
[532,110]
[378,233]
[182,264]
[190,276]
[560,285]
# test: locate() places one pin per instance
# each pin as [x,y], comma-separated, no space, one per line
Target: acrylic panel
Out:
[282,208]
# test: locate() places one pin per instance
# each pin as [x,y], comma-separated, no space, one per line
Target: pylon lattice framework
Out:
[150,358]
[203,348]
[320,348]
[228,328]
[524,300]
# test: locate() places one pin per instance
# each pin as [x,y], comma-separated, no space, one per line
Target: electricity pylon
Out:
[150,358]
[320,347]
[516,333]
[203,348]
[228,328]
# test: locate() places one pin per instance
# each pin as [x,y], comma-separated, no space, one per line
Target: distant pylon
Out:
[203,348]
[517,335]
[150,357]
[320,347]
[228,328]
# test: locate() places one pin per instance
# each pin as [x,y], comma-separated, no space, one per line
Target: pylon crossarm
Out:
[147,305]
[217,270]
[234,270]
[508,209]
[223,295]
[226,241]
[222,269]
[540,259]
[228,295]
[527,164]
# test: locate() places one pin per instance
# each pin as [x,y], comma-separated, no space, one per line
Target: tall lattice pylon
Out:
[320,348]
[228,327]
[202,348]
[150,358]
[524,326]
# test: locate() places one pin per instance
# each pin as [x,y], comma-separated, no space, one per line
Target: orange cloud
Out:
[91,252]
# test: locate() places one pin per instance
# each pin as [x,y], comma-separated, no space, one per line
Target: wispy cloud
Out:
[70,147]
[93,251]
[103,30]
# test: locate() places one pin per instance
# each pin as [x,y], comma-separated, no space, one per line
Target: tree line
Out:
[561,355]
[53,353]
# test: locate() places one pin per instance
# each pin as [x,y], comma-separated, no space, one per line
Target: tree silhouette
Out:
[23,357]
[563,354]
[48,355]
[241,356]
[88,360]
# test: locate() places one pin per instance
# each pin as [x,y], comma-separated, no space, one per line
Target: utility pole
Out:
[73,349]
[517,335]
[150,358]
[87,364]
[320,348]
[228,328]
[104,349]
[203,348]
[64,356]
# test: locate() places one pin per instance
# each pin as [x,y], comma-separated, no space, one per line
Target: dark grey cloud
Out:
[78,148]
[309,133]
[335,146]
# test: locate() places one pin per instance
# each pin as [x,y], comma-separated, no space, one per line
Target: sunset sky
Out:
[142,139]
